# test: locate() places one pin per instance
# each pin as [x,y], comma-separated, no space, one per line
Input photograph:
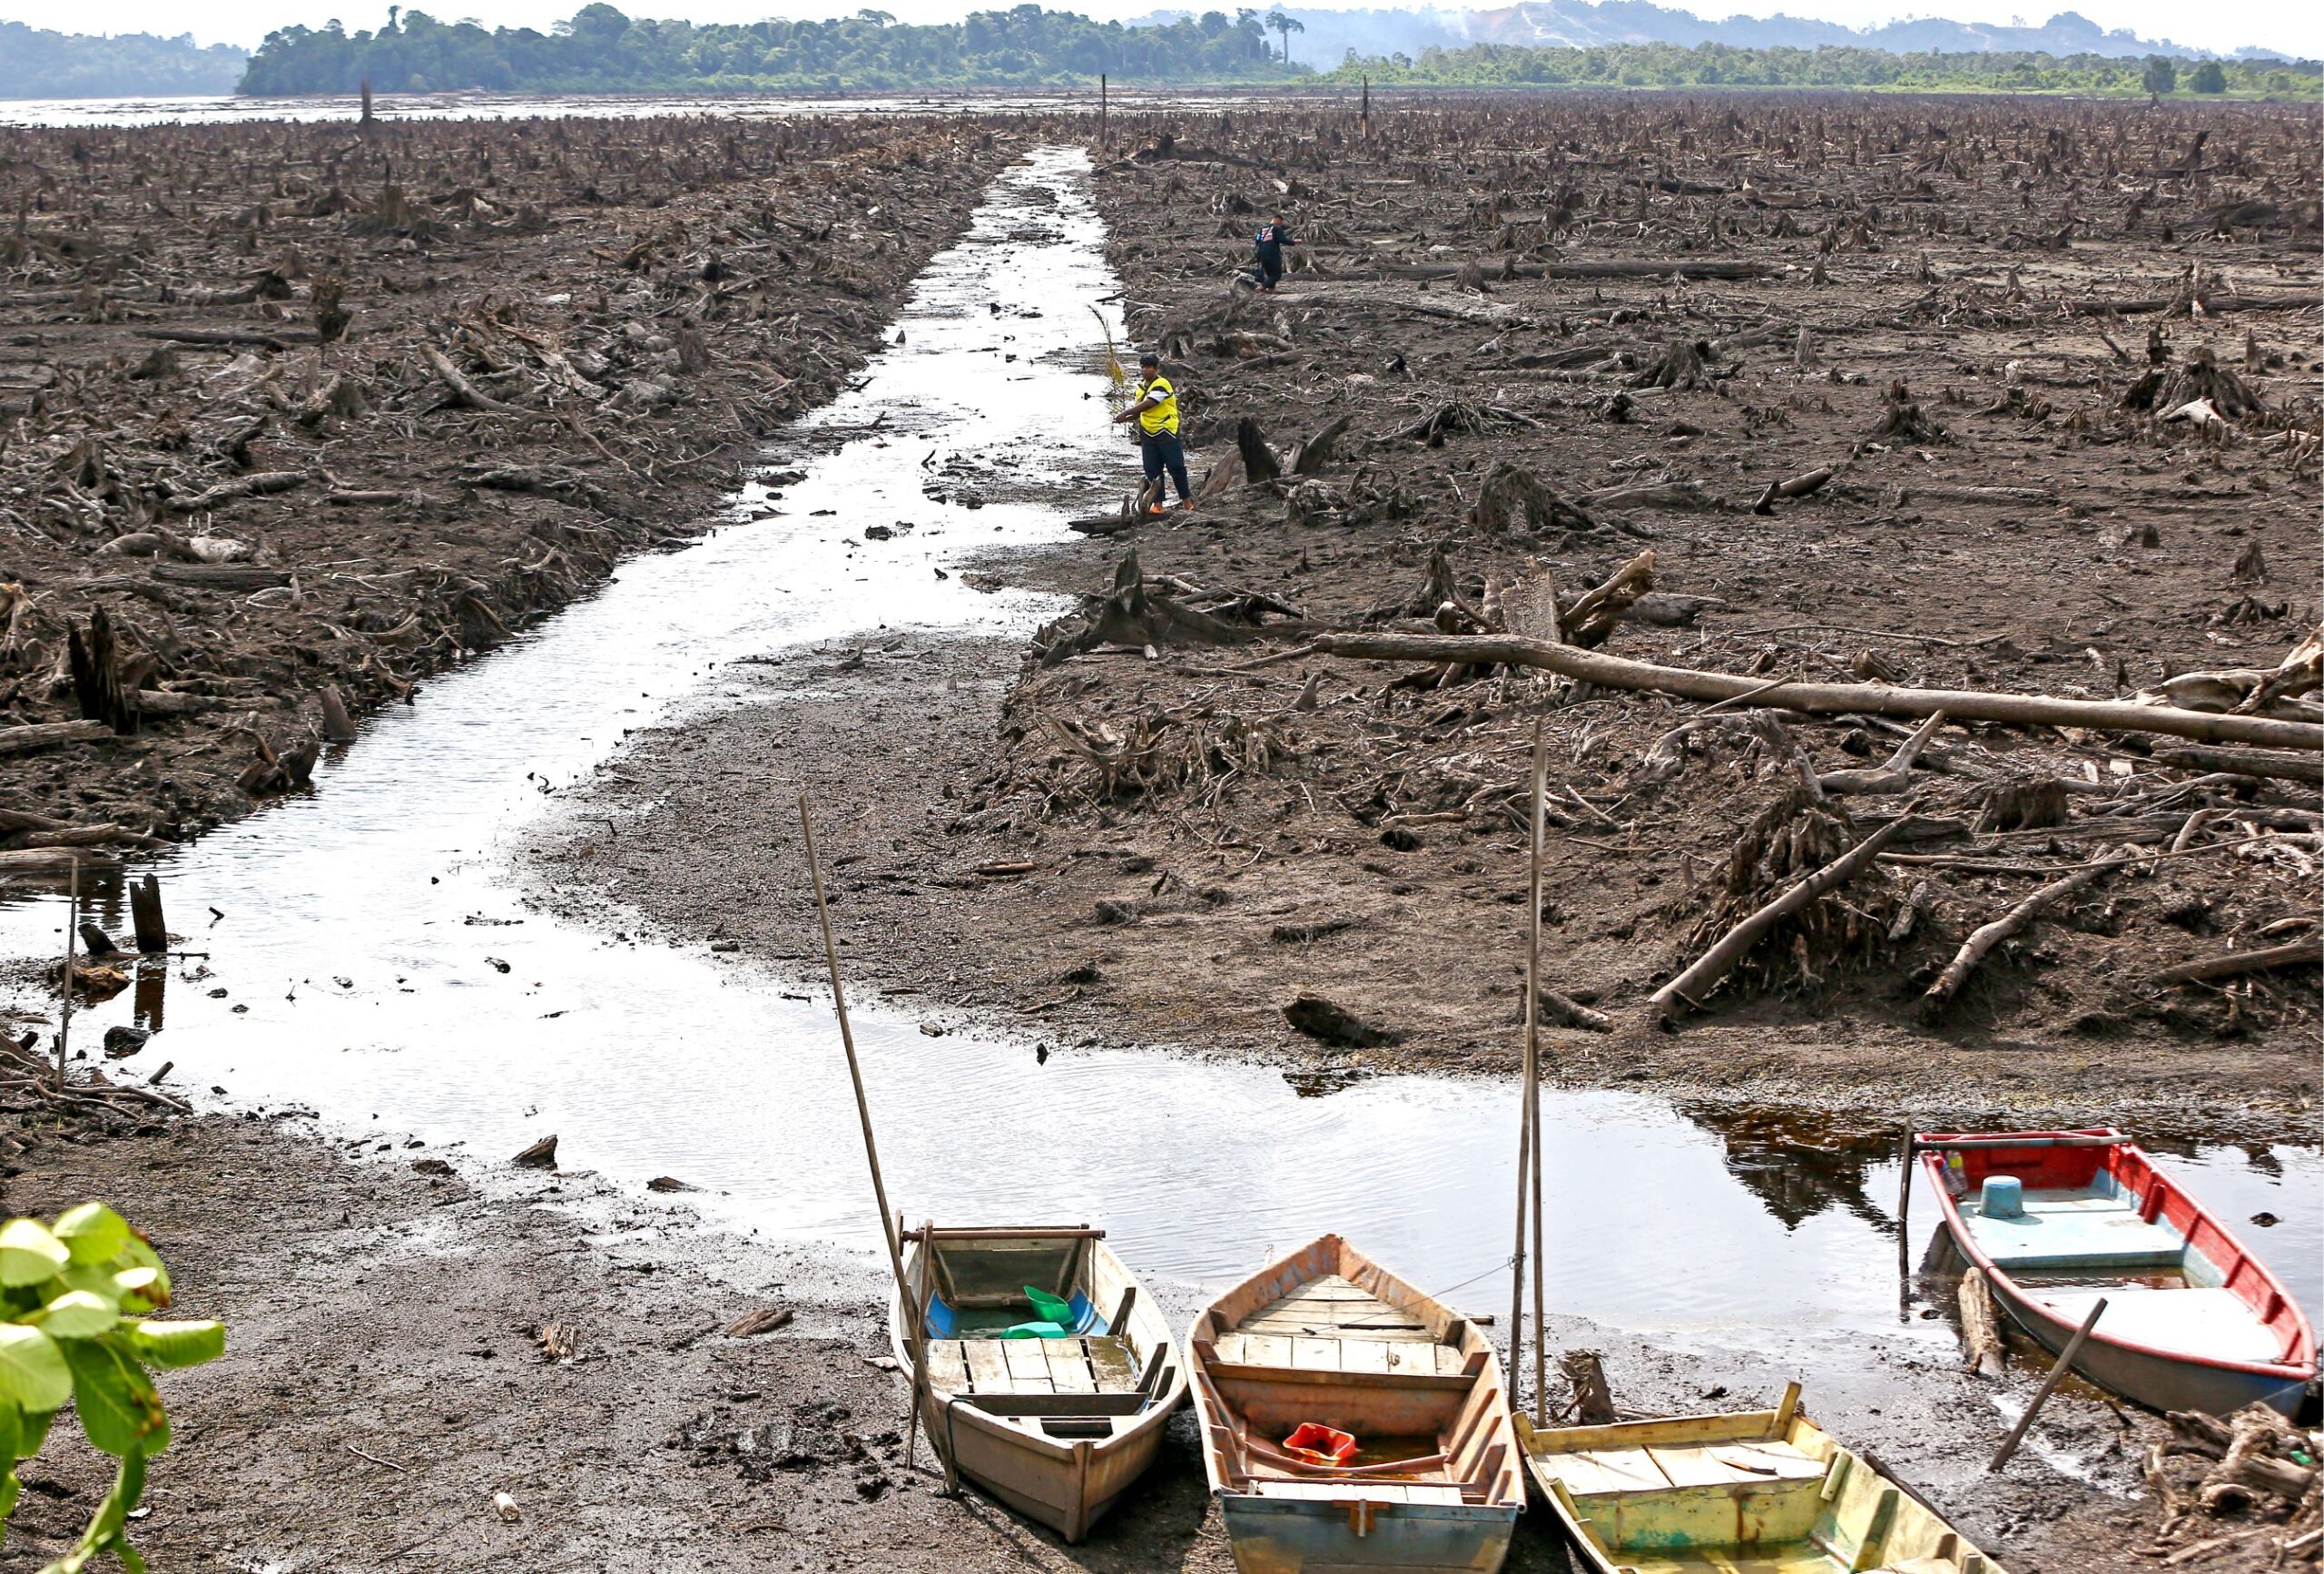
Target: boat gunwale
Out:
[2297,1365]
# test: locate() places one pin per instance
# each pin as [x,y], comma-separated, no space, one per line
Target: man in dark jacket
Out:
[1272,236]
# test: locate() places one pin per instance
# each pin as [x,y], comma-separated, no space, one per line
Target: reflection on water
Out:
[364,954]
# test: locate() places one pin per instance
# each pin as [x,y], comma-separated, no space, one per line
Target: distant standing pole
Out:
[1101,111]
[72,931]
[1367,107]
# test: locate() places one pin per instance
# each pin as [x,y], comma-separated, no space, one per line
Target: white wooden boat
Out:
[1055,1427]
[1762,1492]
[1327,1336]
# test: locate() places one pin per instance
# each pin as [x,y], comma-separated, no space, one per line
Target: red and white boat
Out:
[2056,1219]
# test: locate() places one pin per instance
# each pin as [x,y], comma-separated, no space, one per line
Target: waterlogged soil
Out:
[226,434]
[1113,848]
[412,1333]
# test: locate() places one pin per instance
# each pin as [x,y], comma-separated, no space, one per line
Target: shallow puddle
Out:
[370,959]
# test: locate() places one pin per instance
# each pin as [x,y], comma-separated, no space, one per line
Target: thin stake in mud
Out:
[889,1229]
[72,931]
[2049,1386]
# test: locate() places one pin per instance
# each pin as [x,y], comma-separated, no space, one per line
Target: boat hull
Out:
[2159,1382]
[1274,1536]
[1067,1490]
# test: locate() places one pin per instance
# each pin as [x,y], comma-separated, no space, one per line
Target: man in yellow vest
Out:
[1156,413]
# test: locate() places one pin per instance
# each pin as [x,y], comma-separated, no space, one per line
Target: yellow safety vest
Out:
[1164,417]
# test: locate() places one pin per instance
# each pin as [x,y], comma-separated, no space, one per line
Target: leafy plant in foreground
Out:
[74,1297]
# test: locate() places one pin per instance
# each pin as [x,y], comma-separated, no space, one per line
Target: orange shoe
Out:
[1186,504]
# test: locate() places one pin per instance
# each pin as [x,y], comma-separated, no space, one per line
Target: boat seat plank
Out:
[2213,1323]
[1028,1366]
[988,1367]
[1595,1472]
[948,1366]
[1068,1365]
[1113,1364]
[1404,1356]
[1316,1354]
[2090,1233]
[1364,1355]
[1734,1464]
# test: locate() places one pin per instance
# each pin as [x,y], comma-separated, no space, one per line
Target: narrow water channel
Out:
[371,961]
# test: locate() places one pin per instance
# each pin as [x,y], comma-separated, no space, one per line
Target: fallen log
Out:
[1689,986]
[253,486]
[466,393]
[48,734]
[221,336]
[2309,952]
[1981,942]
[37,860]
[1981,1328]
[1797,487]
[220,576]
[1617,268]
[1893,777]
[1828,699]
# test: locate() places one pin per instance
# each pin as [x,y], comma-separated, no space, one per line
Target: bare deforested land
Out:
[291,415]
[1704,435]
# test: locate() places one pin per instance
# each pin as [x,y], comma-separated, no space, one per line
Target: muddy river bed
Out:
[560,895]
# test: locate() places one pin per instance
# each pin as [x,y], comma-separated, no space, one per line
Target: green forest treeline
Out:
[601,50]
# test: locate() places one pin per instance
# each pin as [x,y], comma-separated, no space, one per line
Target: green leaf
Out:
[174,1344]
[139,1289]
[114,1399]
[33,1373]
[108,1527]
[29,1254]
[9,1487]
[77,1315]
[92,1232]
[36,1433]
[138,1256]
[12,1435]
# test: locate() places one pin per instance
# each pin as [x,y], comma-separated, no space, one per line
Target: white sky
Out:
[2291,26]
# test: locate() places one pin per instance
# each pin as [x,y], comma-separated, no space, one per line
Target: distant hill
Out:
[1577,25]
[1327,36]
[38,63]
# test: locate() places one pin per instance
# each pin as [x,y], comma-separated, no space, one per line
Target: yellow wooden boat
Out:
[1761,1492]
[1056,1424]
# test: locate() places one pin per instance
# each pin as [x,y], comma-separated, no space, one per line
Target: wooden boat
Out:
[1327,1336]
[2056,1219]
[1055,1427]
[1759,1491]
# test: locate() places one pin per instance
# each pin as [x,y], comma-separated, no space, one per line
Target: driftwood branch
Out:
[1981,942]
[2309,952]
[1892,777]
[1689,986]
[465,392]
[1862,699]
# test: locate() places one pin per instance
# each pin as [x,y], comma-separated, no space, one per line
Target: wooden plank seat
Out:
[1090,1367]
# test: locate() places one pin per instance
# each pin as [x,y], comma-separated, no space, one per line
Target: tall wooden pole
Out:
[1367,107]
[1528,1111]
[890,1228]
[2049,1386]
[1101,111]
[1533,1065]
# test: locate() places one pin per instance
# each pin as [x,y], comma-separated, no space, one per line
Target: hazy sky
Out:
[2291,26]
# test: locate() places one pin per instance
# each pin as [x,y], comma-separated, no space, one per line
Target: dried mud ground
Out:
[1108,848]
[386,1376]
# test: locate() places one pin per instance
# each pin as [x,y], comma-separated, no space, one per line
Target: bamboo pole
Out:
[1528,1113]
[890,1228]
[1534,1067]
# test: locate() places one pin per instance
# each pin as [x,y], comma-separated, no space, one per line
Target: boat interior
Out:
[1044,1331]
[1757,1492]
[2072,1225]
[1334,1340]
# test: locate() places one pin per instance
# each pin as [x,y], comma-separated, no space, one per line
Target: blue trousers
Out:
[1163,451]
